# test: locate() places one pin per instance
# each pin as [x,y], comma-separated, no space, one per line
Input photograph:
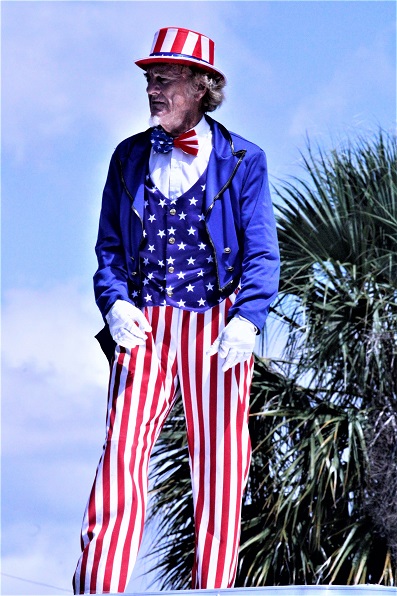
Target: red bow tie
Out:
[188,142]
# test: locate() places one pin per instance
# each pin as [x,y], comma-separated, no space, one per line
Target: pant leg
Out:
[143,386]
[216,408]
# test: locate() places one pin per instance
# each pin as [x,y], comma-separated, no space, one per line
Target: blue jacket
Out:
[238,215]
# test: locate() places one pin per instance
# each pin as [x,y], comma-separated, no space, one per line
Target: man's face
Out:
[172,98]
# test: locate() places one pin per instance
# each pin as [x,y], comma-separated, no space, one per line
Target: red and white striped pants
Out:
[144,384]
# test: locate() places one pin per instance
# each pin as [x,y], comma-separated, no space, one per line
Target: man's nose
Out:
[152,88]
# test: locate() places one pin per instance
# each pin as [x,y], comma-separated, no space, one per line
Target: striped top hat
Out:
[175,45]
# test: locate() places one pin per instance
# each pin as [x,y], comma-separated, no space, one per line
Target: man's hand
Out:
[127,324]
[235,343]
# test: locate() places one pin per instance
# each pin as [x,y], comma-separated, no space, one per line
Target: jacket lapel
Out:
[134,170]
[221,163]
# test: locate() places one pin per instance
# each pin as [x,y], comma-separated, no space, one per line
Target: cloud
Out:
[54,393]
[67,66]
[352,95]
[44,558]
[54,373]
[49,331]
[44,565]
[54,380]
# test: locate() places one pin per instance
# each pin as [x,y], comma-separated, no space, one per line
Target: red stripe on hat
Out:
[197,53]
[159,41]
[179,41]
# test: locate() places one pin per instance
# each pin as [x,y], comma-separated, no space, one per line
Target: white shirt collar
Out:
[202,128]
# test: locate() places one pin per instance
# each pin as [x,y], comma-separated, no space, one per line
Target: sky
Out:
[323,70]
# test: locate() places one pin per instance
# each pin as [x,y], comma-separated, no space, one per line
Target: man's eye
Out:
[157,79]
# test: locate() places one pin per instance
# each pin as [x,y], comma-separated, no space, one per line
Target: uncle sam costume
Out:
[191,261]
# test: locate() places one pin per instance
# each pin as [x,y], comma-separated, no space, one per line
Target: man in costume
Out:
[188,265]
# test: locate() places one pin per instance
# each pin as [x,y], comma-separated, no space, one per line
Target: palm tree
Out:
[320,505]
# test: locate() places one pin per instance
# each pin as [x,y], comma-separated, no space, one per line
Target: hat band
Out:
[161,54]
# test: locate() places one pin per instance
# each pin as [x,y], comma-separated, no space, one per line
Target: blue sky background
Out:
[70,93]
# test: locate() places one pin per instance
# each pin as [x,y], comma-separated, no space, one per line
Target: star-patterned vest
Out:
[177,260]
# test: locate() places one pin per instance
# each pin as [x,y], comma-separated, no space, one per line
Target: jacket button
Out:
[171,269]
[133,273]
[171,240]
[172,211]
[227,250]
[229,268]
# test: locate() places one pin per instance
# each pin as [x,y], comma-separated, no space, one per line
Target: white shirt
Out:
[173,173]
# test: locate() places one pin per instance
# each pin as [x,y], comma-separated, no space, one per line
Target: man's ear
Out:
[201,91]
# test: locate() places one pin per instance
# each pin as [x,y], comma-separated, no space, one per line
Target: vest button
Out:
[171,269]
[171,240]
[227,250]
[172,211]
[229,268]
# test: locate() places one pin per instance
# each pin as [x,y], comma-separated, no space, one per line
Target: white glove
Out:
[235,343]
[127,324]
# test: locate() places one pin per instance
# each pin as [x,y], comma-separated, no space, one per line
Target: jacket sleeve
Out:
[260,258]
[111,277]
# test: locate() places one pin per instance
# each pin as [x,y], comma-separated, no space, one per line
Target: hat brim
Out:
[144,63]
